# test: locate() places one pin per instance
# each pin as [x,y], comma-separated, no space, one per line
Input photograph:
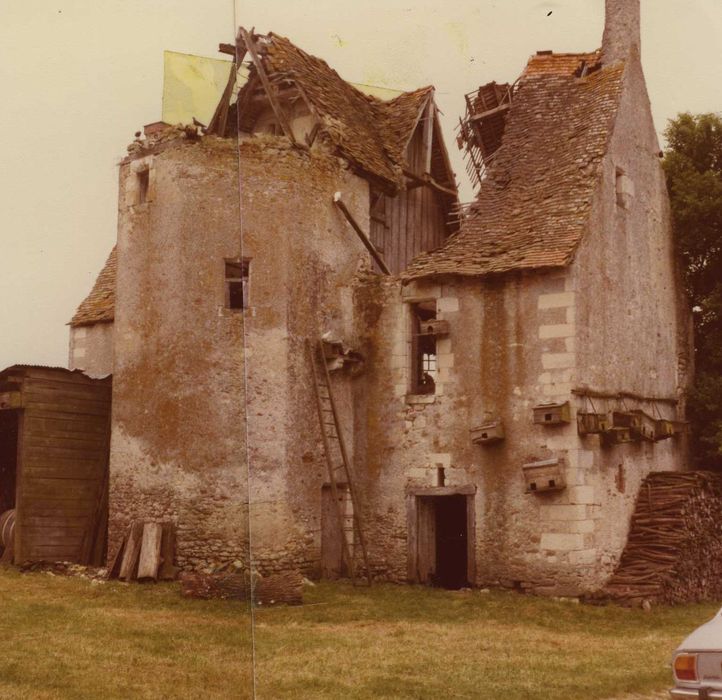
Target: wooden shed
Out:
[54,447]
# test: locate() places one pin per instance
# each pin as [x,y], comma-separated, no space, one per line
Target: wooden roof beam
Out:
[378,258]
[429,181]
[261,72]
[427,136]
[217,125]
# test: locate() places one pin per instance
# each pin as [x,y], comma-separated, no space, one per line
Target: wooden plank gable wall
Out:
[62,467]
[416,220]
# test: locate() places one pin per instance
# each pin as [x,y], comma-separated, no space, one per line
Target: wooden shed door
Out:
[9,422]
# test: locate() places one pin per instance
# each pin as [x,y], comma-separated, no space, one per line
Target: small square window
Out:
[236,284]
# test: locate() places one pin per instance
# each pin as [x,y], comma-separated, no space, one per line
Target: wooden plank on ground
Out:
[129,566]
[150,552]
[168,571]
[115,563]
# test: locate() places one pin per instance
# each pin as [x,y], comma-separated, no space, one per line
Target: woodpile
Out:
[146,553]
[285,588]
[674,547]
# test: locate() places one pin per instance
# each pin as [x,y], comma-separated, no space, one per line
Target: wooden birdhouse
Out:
[547,475]
[617,436]
[663,429]
[552,413]
[488,434]
[626,419]
[592,423]
[645,427]
[435,327]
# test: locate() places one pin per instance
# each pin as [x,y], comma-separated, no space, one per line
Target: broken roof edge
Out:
[368,131]
[489,276]
[99,305]
[80,324]
[466,254]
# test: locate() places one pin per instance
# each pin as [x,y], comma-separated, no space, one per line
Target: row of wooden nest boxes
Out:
[614,428]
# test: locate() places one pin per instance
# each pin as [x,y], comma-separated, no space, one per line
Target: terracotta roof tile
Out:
[369,132]
[99,305]
[532,208]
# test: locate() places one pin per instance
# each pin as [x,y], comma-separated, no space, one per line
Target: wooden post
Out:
[129,565]
[167,570]
[217,124]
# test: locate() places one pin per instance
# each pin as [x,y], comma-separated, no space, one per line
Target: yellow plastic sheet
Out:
[192,86]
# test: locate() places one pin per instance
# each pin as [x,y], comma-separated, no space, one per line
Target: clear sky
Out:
[78,78]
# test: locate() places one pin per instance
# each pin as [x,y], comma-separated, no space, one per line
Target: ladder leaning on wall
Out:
[337,462]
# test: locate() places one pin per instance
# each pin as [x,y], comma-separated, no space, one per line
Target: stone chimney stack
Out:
[622,34]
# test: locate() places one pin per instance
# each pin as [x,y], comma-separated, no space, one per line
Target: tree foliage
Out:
[693,166]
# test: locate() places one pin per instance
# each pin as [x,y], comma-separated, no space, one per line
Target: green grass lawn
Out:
[67,638]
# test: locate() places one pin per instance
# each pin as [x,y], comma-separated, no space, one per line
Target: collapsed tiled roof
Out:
[398,118]
[369,132]
[98,306]
[532,208]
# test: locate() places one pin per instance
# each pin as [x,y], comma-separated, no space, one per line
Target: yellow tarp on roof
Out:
[192,86]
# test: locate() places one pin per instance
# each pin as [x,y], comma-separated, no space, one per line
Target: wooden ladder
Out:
[351,526]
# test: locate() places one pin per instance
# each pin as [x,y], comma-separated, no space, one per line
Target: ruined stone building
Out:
[501,393]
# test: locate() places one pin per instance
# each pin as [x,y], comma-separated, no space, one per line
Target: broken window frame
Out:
[233,281]
[423,359]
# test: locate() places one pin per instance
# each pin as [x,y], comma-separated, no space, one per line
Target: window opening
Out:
[143,182]
[423,349]
[624,189]
[237,284]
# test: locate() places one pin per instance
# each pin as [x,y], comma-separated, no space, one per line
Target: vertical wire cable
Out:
[245,431]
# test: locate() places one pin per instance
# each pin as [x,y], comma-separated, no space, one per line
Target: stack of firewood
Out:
[146,553]
[285,588]
[674,548]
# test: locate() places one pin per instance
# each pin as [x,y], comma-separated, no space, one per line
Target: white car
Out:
[697,663]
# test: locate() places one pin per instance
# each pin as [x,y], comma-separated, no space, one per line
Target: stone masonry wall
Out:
[91,349]
[178,434]
[614,321]
[303,257]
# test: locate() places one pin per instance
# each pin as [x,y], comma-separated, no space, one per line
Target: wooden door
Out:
[332,566]
[426,539]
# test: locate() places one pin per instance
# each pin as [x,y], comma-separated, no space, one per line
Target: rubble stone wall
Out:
[178,436]
[303,257]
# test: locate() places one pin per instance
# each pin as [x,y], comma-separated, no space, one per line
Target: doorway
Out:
[451,542]
[9,423]
[441,537]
